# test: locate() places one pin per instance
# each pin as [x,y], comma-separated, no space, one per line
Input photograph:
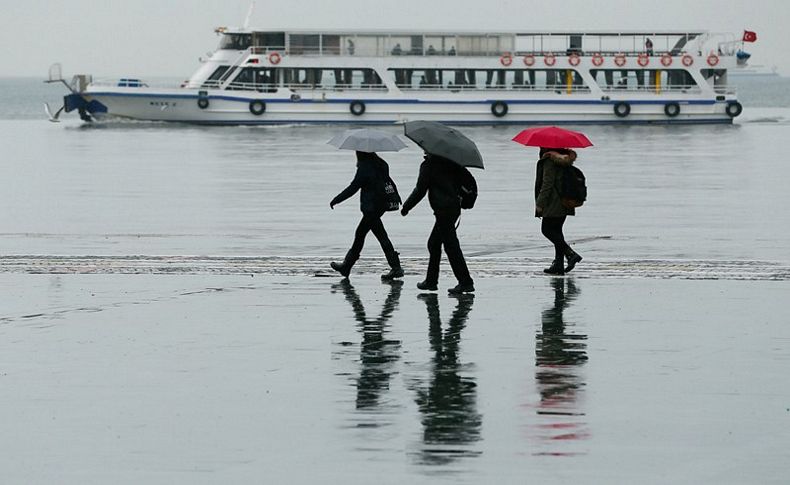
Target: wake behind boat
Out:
[297,77]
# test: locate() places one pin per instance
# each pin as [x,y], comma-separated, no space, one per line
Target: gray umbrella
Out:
[438,139]
[367,140]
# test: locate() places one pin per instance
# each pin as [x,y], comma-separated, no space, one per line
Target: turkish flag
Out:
[749,36]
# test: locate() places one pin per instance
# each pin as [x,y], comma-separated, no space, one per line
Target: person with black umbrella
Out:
[442,179]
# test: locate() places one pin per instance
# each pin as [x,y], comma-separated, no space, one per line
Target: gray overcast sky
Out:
[152,38]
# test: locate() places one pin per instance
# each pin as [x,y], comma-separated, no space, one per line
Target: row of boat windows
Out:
[268,79]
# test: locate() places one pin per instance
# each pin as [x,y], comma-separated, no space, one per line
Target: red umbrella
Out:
[552,137]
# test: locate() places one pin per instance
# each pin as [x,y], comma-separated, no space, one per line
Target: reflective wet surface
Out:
[294,379]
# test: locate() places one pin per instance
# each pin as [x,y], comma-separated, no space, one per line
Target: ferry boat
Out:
[262,77]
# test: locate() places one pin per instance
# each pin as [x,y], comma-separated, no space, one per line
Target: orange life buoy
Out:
[574,59]
[687,60]
[275,58]
[619,59]
[713,60]
[643,60]
[666,60]
[506,60]
[550,59]
[597,60]
[529,60]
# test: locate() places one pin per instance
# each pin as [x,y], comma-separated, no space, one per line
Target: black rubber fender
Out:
[499,108]
[672,109]
[622,109]
[734,109]
[357,108]
[202,103]
[257,107]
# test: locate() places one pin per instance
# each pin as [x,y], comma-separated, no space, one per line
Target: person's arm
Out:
[546,187]
[419,190]
[352,189]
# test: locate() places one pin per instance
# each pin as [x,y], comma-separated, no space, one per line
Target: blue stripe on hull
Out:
[413,101]
[712,121]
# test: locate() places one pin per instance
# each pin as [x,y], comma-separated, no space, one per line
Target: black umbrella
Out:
[438,139]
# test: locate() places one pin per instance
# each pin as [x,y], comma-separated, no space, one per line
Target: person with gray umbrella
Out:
[448,184]
[378,195]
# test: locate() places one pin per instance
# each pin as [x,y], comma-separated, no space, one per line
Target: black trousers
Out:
[443,234]
[371,222]
[551,227]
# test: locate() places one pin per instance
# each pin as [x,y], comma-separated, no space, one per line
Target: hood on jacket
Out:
[563,156]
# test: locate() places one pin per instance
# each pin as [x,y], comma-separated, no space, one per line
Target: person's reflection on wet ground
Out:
[448,404]
[377,353]
[558,359]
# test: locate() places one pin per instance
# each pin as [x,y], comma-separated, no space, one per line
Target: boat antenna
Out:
[249,15]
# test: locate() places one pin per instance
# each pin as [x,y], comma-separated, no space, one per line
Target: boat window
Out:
[331,79]
[304,44]
[269,41]
[644,79]
[480,79]
[236,42]
[256,79]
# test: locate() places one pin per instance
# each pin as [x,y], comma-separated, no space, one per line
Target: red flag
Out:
[749,36]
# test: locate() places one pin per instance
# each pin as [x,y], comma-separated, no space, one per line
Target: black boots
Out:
[396,270]
[556,268]
[343,268]
[462,288]
[573,258]
[427,286]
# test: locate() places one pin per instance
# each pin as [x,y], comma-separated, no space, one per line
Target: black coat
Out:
[372,170]
[439,178]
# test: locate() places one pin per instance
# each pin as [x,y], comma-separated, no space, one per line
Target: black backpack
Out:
[467,188]
[573,189]
[388,196]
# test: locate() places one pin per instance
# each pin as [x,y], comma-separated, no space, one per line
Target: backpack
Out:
[467,188]
[388,196]
[573,189]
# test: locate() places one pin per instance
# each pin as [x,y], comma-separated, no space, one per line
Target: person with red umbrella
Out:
[554,164]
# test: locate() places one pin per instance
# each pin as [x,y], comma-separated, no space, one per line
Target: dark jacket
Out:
[372,170]
[439,178]
[548,180]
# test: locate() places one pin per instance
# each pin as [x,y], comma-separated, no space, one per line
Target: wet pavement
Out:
[297,379]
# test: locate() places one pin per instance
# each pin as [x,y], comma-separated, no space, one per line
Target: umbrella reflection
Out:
[377,354]
[448,403]
[559,356]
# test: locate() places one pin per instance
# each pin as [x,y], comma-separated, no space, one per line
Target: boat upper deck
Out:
[473,44]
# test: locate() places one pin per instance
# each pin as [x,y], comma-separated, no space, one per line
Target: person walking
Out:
[440,179]
[549,206]
[372,173]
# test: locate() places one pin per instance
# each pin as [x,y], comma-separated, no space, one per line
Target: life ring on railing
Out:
[549,59]
[257,107]
[619,59]
[713,60]
[529,60]
[597,60]
[574,59]
[275,58]
[687,60]
[506,60]
[666,60]
[643,60]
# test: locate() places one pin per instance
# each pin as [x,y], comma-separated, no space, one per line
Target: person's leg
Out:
[551,227]
[353,254]
[378,230]
[452,247]
[434,257]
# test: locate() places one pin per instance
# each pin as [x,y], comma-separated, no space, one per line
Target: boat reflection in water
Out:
[559,357]
[378,354]
[448,401]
